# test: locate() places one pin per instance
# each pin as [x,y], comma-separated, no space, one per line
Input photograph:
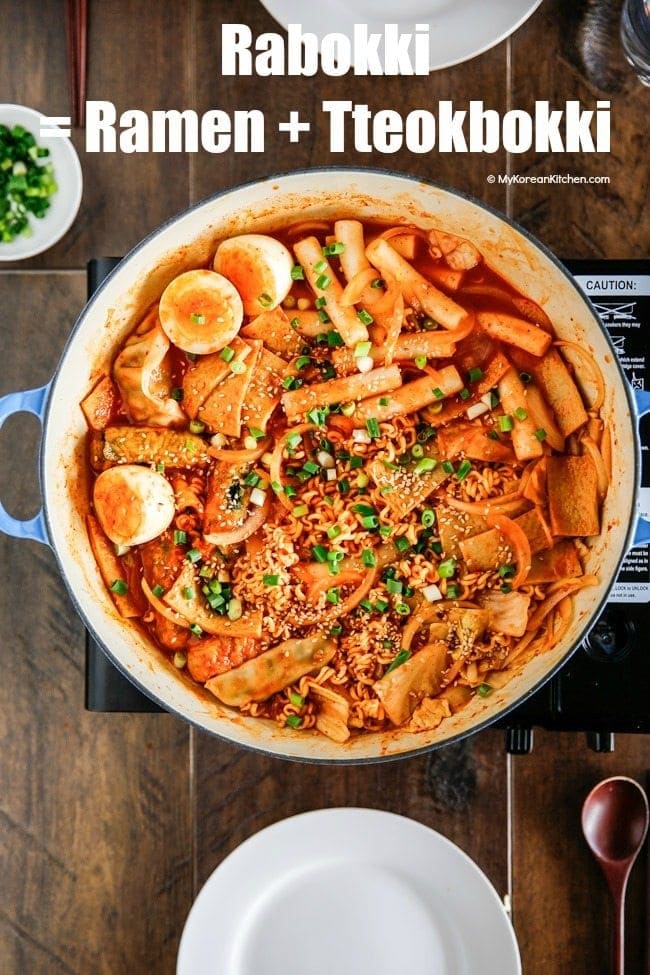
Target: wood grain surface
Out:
[109,824]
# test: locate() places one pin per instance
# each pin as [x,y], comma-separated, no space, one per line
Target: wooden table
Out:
[109,824]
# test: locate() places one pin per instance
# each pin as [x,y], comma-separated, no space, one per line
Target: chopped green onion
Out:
[474,375]
[383,400]
[227,354]
[372,426]
[252,479]
[311,467]
[368,558]
[237,367]
[334,340]
[362,349]
[196,426]
[382,605]
[521,413]
[447,569]
[320,303]
[291,382]
[463,470]
[417,451]
[189,592]
[193,555]
[505,424]
[196,629]
[506,588]
[505,571]
[334,531]
[294,720]
[428,517]
[385,531]
[370,522]
[420,361]
[190,446]
[303,361]
[297,273]
[120,587]
[344,485]
[290,490]
[297,700]
[332,250]
[363,509]
[256,433]
[271,580]
[160,467]
[386,489]
[367,605]
[402,543]
[177,394]
[483,690]
[318,415]
[378,283]
[320,266]
[400,658]
[437,547]
[197,318]
[348,409]
[320,553]
[265,300]
[323,282]
[365,317]
[425,466]
[541,434]
[180,537]
[438,393]
[394,586]
[295,322]
[158,591]
[300,510]
[333,596]
[355,463]
[453,591]
[402,608]
[293,440]
[336,630]
[324,317]
[493,435]
[464,394]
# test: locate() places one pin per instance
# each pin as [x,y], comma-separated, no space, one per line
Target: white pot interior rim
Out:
[290,746]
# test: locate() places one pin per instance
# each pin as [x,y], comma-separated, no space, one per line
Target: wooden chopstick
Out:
[77,37]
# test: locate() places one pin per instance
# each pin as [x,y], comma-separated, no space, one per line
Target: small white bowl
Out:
[64,204]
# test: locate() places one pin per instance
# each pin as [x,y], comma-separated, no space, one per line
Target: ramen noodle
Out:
[345,477]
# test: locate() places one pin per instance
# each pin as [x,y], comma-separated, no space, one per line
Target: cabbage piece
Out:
[402,689]
[507,612]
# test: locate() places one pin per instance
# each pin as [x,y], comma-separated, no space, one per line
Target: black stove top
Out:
[605,686]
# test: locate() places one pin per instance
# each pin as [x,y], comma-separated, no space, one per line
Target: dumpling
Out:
[142,372]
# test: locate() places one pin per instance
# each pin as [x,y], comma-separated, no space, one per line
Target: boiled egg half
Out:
[259,267]
[200,311]
[133,504]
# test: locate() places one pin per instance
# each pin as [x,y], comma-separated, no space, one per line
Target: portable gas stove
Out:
[605,686]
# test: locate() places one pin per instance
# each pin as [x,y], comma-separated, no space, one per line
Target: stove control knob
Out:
[611,638]
[519,740]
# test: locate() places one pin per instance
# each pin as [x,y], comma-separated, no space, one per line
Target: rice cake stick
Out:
[421,294]
[345,319]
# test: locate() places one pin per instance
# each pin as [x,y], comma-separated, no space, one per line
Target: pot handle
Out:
[642,533]
[27,401]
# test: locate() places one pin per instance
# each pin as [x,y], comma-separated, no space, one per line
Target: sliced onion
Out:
[275,467]
[236,457]
[591,366]
[506,501]
[356,286]
[160,607]
[250,526]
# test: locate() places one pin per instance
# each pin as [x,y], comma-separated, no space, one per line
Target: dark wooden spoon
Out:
[615,822]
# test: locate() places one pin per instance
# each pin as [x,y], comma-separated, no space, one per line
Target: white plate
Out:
[348,892]
[64,204]
[460,29]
